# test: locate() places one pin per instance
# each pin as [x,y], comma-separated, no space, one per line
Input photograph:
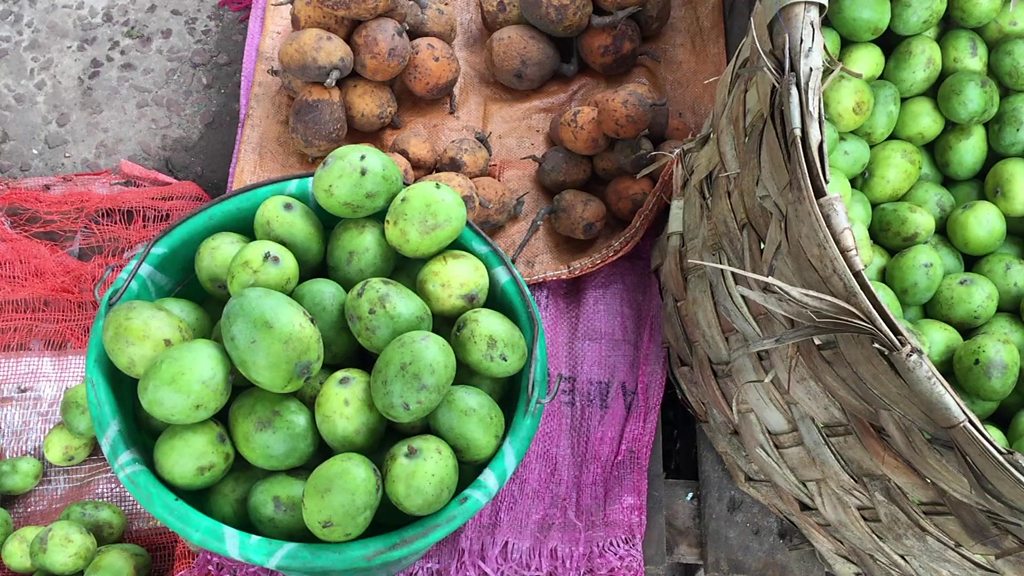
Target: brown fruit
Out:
[670,146]
[626,113]
[633,155]
[465,155]
[559,169]
[521,57]
[608,165]
[653,17]
[434,19]
[369,106]
[381,48]
[290,84]
[359,9]
[558,18]
[316,121]
[626,195]
[597,98]
[577,214]
[500,13]
[616,5]
[580,131]
[611,50]
[315,55]
[433,69]
[314,14]
[418,148]
[553,135]
[461,184]
[496,204]
[408,177]
[401,10]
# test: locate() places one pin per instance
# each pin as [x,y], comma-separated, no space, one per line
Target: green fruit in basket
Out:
[292,224]
[212,259]
[145,421]
[1004,186]
[832,41]
[914,274]
[997,435]
[1006,129]
[981,408]
[976,228]
[406,270]
[1013,245]
[888,298]
[1009,23]
[932,197]
[952,260]
[850,155]
[272,340]
[19,475]
[848,101]
[916,337]
[324,299]
[919,121]
[914,65]
[188,383]
[894,167]
[120,560]
[968,98]
[263,264]
[987,367]
[964,300]
[345,413]
[865,59]
[193,456]
[355,181]
[61,447]
[884,113]
[272,431]
[859,20]
[6,525]
[488,342]
[1005,324]
[929,170]
[15,551]
[420,474]
[1007,273]
[424,219]
[859,207]
[911,17]
[197,318]
[74,411]
[104,520]
[839,185]
[275,506]
[412,375]
[943,341]
[963,51]
[452,283]
[973,13]
[334,515]
[863,240]
[471,422]
[1015,431]
[913,313]
[831,136]
[357,250]
[226,501]
[899,225]
[961,151]
[966,191]
[136,332]
[379,309]
[879,259]
[63,547]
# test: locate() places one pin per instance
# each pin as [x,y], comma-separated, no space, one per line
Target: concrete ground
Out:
[86,83]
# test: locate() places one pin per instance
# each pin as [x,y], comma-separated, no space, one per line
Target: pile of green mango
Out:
[331,381]
[925,131]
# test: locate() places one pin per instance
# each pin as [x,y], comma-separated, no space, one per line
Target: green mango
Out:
[932,197]
[914,274]
[952,260]
[879,260]
[193,456]
[292,224]
[1009,23]
[884,113]
[973,13]
[900,225]
[1006,128]
[272,431]
[864,59]
[412,375]
[860,20]
[963,51]
[966,191]
[1008,63]
[968,98]
[888,298]
[847,101]
[1007,273]
[964,300]
[943,340]
[914,65]
[912,17]
[976,228]
[850,155]
[341,497]
[961,151]
[920,121]
[894,167]
[356,181]
[987,366]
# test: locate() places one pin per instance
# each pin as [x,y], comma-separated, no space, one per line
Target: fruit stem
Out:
[534,226]
[332,78]
[533,157]
[613,19]
[484,139]
[452,104]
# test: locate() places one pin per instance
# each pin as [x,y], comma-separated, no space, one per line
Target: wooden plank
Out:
[654,536]
[741,537]
[682,522]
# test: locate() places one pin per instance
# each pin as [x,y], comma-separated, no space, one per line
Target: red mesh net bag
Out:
[58,236]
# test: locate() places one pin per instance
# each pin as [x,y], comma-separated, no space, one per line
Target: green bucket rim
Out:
[399,547]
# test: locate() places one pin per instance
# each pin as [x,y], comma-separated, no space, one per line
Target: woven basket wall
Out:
[806,385]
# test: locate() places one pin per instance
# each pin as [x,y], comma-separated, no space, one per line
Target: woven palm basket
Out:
[814,395]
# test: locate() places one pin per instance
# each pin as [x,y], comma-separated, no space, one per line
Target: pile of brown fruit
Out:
[601,155]
[345,59]
[523,52]
[464,164]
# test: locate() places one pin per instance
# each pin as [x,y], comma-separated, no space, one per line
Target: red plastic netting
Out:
[57,237]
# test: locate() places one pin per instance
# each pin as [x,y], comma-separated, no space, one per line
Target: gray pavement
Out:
[86,83]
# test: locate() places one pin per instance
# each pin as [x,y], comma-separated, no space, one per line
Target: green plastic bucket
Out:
[166,268]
